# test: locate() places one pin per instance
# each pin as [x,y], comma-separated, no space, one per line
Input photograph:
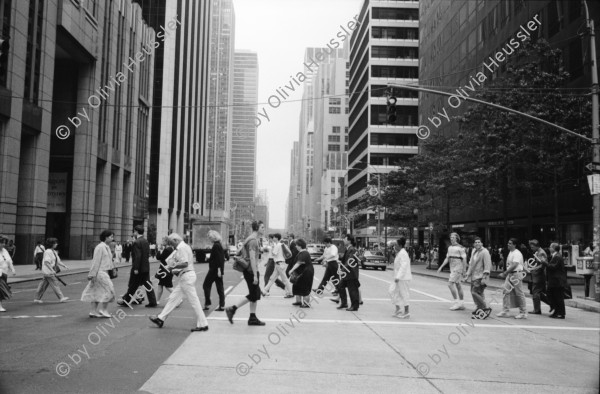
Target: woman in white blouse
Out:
[6,264]
[100,290]
[49,263]
[399,290]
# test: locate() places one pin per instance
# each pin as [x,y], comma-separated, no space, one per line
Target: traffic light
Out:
[4,47]
[308,223]
[391,109]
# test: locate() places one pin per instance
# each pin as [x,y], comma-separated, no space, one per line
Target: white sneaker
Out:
[461,305]
[64,299]
[403,316]
[455,307]
[38,301]
[503,314]
[2,309]
[521,316]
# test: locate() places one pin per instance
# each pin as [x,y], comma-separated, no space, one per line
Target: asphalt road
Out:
[320,350]
[41,341]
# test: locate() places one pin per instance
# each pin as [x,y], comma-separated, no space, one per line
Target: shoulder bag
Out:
[241,261]
[114,271]
[287,253]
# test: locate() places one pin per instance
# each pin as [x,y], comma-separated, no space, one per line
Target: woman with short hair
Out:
[304,272]
[49,264]
[100,290]
[457,257]
[216,270]
[6,264]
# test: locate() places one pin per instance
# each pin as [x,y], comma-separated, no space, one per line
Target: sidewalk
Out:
[578,300]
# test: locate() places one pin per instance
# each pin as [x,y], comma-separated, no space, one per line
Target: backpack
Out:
[287,253]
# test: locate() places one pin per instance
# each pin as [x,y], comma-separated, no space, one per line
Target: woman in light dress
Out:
[399,290]
[457,257]
[99,290]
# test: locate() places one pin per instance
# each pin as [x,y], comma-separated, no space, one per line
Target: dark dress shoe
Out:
[220,309]
[360,303]
[352,309]
[288,296]
[336,300]
[304,306]
[342,307]
[151,305]
[206,307]
[157,321]
[535,312]
[205,328]
[255,322]
[297,304]
[557,316]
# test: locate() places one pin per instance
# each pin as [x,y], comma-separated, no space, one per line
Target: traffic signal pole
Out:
[595,143]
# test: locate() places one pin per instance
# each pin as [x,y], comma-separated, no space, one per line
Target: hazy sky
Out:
[279,31]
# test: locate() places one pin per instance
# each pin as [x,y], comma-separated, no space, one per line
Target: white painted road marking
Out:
[396,323]
[416,291]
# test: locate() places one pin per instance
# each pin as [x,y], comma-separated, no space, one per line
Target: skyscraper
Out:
[218,146]
[177,167]
[74,122]
[385,48]
[243,146]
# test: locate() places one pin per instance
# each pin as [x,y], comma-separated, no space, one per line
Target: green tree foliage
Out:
[497,156]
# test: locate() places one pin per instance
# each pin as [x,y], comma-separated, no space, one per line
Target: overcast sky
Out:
[279,31]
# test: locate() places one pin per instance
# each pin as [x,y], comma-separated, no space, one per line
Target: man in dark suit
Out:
[140,270]
[348,271]
[557,280]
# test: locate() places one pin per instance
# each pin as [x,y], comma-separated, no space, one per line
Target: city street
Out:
[299,350]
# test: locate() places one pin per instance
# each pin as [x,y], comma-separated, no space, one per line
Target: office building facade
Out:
[177,171]
[243,145]
[457,39]
[384,49]
[220,112]
[75,114]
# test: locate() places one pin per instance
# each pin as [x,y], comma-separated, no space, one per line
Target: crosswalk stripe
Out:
[397,323]
[416,291]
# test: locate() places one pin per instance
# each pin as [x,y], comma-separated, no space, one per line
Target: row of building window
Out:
[335,148]
[336,138]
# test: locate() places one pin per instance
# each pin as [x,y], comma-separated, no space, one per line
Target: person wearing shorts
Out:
[457,257]
[251,276]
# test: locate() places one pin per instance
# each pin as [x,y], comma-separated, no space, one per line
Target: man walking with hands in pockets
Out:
[181,263]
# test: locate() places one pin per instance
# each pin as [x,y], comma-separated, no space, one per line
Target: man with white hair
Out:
[181,264]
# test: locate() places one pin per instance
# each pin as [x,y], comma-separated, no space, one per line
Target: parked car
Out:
[374,259]
[314,251]
[232,250]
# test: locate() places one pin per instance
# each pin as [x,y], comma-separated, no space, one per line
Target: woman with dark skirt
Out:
[216,267]
[305,272]
[164,276]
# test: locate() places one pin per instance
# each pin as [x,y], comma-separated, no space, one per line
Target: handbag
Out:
[241,261]
[56,267]
[294,277]
[113,273]
[567,293]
